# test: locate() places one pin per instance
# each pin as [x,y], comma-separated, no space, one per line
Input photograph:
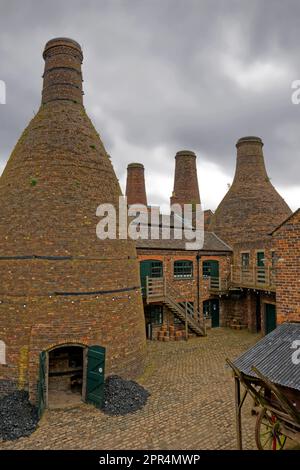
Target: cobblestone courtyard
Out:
[191,404]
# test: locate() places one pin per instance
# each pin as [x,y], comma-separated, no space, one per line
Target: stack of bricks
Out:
[170,334]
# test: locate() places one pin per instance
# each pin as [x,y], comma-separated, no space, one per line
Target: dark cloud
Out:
[165,75]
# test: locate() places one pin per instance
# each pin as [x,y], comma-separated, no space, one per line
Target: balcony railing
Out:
[217,284]
[257,277]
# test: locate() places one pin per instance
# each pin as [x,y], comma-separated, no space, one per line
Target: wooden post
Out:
[186,323]
[147,288]
[238,411]
[231,273]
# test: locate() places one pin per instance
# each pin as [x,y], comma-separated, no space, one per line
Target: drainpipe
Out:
[198,257]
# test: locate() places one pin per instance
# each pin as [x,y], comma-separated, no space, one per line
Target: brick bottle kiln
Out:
[252,207]
[62,289]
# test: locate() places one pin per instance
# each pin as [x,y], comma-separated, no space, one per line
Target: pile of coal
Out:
[123,396]
[18,417]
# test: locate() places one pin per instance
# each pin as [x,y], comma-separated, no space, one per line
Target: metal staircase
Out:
[158,289]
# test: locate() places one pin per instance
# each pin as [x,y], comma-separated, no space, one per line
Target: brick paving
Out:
[191,404]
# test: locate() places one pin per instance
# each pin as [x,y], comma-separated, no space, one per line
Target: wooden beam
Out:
[238,412]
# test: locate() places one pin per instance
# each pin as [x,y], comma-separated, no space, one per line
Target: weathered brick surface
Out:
[186,190]
[287,242]
[135,184]
[252,208]
[265,244]
[62,76]
[191,404]
[58,282]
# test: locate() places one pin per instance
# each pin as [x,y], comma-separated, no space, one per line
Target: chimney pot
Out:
[135,184]
[62,76]
[250,139]
[186,189]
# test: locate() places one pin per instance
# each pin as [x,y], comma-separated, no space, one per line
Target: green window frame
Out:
[156,269]
[183,269]
[206,267]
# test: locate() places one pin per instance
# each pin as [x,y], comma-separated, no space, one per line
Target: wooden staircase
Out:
[158,289]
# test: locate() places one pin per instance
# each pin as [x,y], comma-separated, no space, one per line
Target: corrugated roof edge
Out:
[272,356]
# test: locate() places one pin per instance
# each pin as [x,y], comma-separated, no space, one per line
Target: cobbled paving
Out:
[191,404]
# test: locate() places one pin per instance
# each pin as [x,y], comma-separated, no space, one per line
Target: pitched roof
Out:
[211,243]
[272,356]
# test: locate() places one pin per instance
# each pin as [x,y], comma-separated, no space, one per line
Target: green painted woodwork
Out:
[95,375]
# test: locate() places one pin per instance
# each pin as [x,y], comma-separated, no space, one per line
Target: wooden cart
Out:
[279,417]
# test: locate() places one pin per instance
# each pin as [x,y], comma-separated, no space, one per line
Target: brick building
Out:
[188,277]
[66,297]
[184,284]
[250,210]
[238,282]
[287,245]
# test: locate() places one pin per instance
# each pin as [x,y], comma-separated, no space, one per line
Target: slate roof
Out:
[211,243]
[272,356]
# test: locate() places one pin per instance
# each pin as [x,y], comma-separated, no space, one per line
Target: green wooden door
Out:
[42,384]
[215,314]
[95,375]
[270,317]
[150,268]
[211,309]
[145,270]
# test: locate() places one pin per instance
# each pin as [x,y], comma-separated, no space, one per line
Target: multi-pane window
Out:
[156,269]
[245,259]
[183,269]
[156,314]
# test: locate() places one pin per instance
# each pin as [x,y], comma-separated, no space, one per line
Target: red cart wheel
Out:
[268,435]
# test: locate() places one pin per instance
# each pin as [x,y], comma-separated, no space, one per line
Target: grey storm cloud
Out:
[168,74]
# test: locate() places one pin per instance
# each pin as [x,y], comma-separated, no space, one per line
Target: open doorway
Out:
[65,376]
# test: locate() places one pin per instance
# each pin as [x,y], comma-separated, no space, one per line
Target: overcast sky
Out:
[165,75]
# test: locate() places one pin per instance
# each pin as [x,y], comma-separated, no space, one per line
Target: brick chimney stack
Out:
[250,164]
[135,184]
[252,207]
[186,190]
[62,75]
